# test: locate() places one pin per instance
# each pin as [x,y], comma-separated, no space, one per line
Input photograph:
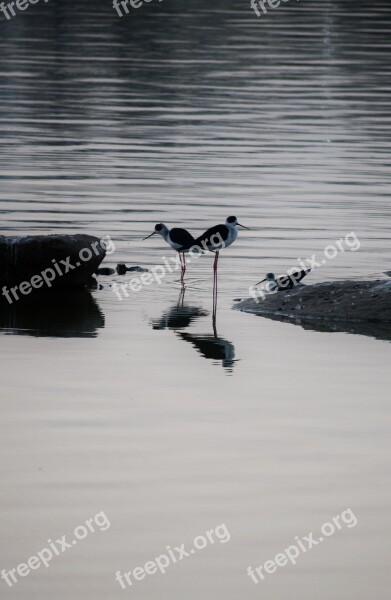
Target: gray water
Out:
[186,113]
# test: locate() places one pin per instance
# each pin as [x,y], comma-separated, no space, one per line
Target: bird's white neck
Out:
[271,285]
[232,233]
[165,233]
[231,226]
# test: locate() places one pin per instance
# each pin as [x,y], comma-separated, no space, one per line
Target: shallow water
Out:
[185,114]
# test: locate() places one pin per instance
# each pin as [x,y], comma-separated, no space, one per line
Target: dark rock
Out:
[66,260]
[122,269]
[105,271]
[138,269]
[315,302]
[370,315]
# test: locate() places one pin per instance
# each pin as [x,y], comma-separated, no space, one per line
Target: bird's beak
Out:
[244,227]
[148,236]
[261,281]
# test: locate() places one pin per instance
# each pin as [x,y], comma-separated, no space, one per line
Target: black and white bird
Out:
[220,236]
[179,239]
[285,282]
[215,239]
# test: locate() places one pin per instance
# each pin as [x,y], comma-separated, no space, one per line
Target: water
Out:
[186,113]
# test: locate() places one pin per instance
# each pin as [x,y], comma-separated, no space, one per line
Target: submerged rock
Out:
[347,301]
[49,260]
[122,269]
[105,271]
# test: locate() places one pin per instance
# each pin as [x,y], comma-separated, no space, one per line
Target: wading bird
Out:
[179,239]
[285,282]
[213,240]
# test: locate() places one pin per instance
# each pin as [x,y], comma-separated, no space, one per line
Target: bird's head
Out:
[161,229]
[233,222]
[269,277]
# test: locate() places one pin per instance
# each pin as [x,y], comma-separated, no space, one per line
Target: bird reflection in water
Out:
[210,346]
[179,316]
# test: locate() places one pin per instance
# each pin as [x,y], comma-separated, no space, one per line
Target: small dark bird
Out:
[179,239]
[286,282]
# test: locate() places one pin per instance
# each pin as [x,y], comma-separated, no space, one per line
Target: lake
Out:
[186,113]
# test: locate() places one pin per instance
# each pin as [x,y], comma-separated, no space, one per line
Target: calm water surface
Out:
[186,113]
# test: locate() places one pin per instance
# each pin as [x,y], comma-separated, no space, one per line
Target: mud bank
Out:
[354,306]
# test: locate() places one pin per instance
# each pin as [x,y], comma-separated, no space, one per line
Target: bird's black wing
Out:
[182,237]
[205,240]
[289,281]
[301,274]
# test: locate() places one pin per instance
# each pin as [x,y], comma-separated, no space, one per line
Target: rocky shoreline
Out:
[360,302]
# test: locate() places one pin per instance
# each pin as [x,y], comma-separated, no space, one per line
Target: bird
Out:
[213,240]
[179,239]
[226,234]
[285,282]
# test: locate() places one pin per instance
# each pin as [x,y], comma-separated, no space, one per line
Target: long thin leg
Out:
[217,260]
[181,298]
[214,325]
[215,276]
[184,266]
[215,288]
